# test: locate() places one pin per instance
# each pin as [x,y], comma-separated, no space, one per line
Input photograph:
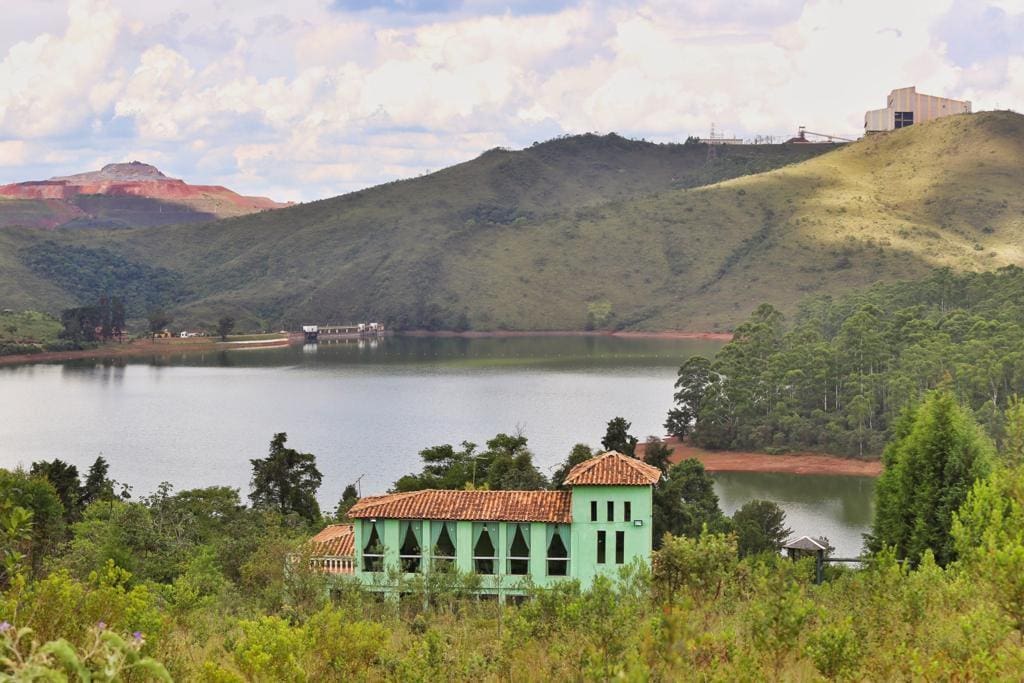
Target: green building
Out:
[601,523]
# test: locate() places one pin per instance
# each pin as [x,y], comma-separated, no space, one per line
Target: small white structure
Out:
[905,107]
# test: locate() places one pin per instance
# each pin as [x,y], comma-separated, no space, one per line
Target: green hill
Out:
[603,230]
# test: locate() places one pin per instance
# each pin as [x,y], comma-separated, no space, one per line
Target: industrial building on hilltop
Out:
[906,106]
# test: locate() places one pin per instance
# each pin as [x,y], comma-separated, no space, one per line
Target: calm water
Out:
[367,409]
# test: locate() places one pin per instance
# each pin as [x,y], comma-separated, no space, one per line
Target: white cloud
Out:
[48,82]
[313,102]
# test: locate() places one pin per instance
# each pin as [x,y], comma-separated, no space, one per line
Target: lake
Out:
[366,409]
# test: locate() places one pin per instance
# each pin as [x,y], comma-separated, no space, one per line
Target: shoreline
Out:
[792,463]
[146,347]
[143,347]
[624,334]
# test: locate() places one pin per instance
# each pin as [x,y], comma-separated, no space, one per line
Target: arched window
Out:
[519,549]
[444,546]
[373,549]
[484,551]
[558,550]
[410,552]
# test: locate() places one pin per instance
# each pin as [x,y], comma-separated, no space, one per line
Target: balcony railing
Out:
[333,565]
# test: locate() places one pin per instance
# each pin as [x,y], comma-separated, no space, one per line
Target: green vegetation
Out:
[28,332]
[88,274]
[641,237]
[841,376]
[196,586]
[408,253]
[286,481]
[937,455]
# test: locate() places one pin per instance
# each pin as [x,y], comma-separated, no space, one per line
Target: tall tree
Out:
[224,327]
[581,452]
[694,378]
[98,486]
[760,527]
[286,480]
[657,453]
[158,320]
[64,478]
[684,501]
[117,316]
[349,497]
[936,457]
[618,438]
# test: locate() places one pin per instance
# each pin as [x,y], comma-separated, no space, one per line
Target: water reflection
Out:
[838,507]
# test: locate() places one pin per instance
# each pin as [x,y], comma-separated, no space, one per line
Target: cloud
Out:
[398,5]
[48,82]
[318,98]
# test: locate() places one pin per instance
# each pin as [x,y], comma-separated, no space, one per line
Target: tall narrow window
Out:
[483,549]
[410,552]
[373,549]
[620,546]
[627,511]
[444,547]
[519,550]
[593,511]
[611,511]
[600,547]
[558,551]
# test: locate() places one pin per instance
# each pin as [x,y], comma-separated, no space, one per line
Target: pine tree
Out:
[286,480]
[937,455]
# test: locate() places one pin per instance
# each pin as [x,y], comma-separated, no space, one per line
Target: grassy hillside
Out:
[612,232]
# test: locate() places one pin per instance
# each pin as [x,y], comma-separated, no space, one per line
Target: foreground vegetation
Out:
[197,586]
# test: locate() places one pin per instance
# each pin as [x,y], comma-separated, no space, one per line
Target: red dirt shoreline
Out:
[795,463]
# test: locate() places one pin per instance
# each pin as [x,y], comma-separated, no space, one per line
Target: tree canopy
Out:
[286,481]
[936,457]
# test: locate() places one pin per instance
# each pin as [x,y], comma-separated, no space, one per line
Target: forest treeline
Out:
[838,377]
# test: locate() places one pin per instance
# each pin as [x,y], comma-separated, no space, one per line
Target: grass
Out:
[28,327]
[647,236]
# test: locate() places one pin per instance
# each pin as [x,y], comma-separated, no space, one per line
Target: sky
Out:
[304,99]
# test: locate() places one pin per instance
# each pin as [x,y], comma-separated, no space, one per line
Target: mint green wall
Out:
[584,531]
[581,538]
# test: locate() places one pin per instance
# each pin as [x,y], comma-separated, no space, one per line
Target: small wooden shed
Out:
[805,546]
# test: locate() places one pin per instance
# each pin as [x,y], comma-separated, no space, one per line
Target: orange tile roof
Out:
[613,469]
[336,540]
[482,506]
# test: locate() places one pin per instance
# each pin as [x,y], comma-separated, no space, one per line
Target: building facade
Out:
[905,107]
[509,539]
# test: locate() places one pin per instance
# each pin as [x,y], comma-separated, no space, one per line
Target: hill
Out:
[120,195]
[601,231]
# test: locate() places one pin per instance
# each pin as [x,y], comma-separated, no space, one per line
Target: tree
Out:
[349,497]
[224,327]
[286,481]
[581,452]
[64,478]
[158,320]
[936,457]
[117,316]
[693,379]
[760,527]
[618,438]
[509,465]
[685,501]
[37,496]
[98,486]
[657,453]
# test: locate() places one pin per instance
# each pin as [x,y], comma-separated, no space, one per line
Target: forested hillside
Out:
[606,233]
[839,377]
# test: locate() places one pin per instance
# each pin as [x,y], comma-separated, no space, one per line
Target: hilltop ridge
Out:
[131,194]
[600,232]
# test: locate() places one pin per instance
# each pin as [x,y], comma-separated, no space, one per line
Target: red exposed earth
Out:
[131,194]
